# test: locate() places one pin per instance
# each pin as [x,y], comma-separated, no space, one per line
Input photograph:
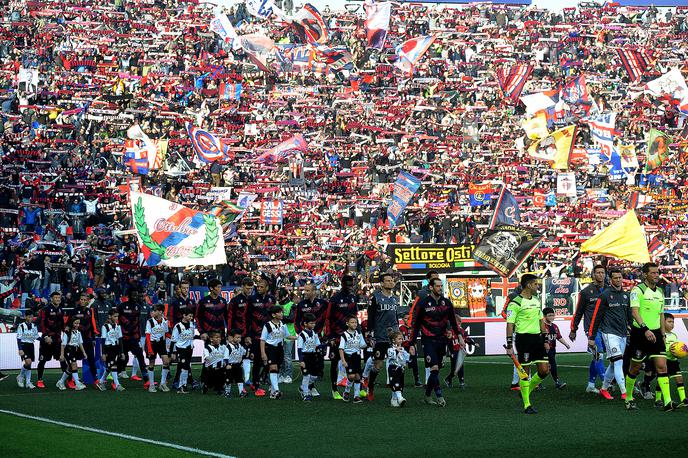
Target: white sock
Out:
[27,375]
[342,372]
[64,377]
[274,381]
[304,384]
[357,389]
[183,378]
[368,367]
[427,375]
[151,376]
[246,365]
[115,378]
[608,377]
[163,378]
[228,388]
[76,377]
[397,394]
[591,385]
[134,367]
[241,387]
[619,375]
[348,386]
[21,373]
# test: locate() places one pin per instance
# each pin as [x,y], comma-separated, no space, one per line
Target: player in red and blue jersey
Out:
[343,306]
[258,313]
[433,318]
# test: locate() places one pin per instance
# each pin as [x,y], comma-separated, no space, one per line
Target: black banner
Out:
[504,248]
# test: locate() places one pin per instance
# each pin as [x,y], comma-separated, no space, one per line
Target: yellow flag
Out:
[555,147]
[624,239]
[536,127]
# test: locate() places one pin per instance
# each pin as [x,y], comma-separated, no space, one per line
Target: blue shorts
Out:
[434,351]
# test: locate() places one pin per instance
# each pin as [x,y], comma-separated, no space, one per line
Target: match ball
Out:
[679,349]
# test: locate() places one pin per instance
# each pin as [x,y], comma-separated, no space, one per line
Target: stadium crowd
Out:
[76,75]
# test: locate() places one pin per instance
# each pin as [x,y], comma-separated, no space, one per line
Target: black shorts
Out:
[530,349]
[434,351]
[184,356]
[380,351]
[313,363]
[353,364]
[112,356]
[235,373]
[29,351]
[275,354]
[46,352]
[72,354]
[159,348]
[640,348]
[673,368]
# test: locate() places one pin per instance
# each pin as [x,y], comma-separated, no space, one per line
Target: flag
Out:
[335,58]
[635,62]
[566,184]
[538,198]
[670,87]
[575,92]
[135,158]
[309,25]
[536,127]
[602,132]
[264,9]
[160,153]
[172,235]
[479,194]
[506,211]
[207,146]
[656,248]
[281,151]
[377,23]
[629,160]
[272,212]
[229,91]
[505,248]
[259,49]
[404,189]
[638,199]
[624,239]
[220,25]
[539,101]
[556,147]
[410,52]
[657,149]
[512,80]
[551,199]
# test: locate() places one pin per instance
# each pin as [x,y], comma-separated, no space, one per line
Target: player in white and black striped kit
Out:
[183,335]
[397,359]
[215,367]
[350,346]
[156,329]
[271,347]
[27,334]
[235,373]
[310,359]
[113,352]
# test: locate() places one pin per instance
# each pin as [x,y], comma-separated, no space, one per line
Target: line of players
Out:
[628,326]
[243,339]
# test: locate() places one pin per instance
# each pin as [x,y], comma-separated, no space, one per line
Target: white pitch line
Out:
[506,363]
[119,435]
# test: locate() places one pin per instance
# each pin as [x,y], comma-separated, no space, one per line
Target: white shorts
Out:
[616,345]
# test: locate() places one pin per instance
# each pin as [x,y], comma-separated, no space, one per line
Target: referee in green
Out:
[647,335]
[524,315]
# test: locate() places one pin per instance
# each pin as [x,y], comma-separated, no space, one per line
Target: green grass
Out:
[484,418]
[30,438]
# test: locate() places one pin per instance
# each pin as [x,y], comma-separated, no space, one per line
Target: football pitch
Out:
[485,418]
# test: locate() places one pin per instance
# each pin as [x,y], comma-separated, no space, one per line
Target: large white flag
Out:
[173,235]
